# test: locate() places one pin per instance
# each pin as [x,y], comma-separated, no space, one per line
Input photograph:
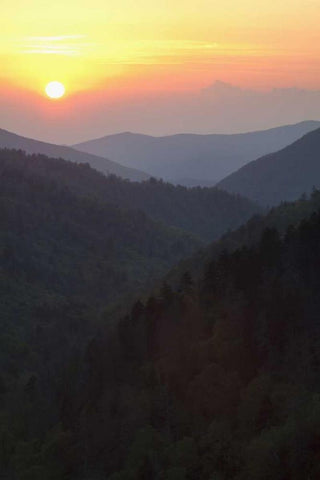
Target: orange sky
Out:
[126,49]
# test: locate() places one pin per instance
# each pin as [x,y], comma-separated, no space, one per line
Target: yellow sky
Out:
[86,44]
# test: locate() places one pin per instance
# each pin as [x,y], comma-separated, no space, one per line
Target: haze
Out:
[149,67]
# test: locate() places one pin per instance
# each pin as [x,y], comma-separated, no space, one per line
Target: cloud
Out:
[57,38]
[69,45]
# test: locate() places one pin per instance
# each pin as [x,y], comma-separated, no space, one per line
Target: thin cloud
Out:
[56,38]
[172,52]
[68,45]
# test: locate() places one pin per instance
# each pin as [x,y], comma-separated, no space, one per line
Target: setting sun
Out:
[55,90]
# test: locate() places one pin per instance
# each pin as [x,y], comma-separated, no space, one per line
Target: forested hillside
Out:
[203,212]
[280,218]
[214,380]
[78,245]
[63,259]
[216,377]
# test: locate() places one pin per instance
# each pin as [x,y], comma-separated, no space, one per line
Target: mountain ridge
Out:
[280,176]
[12,140]
[207,157]
[203,212]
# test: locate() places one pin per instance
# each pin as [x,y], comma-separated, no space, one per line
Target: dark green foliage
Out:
[75,245]
[281,218]
[63,258]
[217,379]
[204,212]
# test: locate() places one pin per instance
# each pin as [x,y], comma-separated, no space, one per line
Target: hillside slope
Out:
[282,217]
[218,378]
[78,246]
[284,175]
[204,212]
[13,141]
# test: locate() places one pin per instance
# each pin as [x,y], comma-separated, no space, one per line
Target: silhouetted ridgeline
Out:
[12,141]
[284,175]
[77,245]
[190,158]
[204,212]
[281,217]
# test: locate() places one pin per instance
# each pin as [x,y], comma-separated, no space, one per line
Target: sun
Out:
[55,90]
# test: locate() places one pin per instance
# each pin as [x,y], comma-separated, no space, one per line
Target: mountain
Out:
[65,259]
[77,245]
[214,377]
[13,141]
[284,175]
[227,377]
[194,158]
[205,213]
[282,217]
[218,378]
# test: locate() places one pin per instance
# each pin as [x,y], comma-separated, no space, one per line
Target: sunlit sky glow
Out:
[129,48]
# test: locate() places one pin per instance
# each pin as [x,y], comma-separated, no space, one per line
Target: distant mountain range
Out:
[194,159]
[284,175]
[13,141]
